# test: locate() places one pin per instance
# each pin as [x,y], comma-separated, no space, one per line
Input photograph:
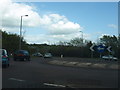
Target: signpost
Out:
[92,50]
[109,49]
[100,49]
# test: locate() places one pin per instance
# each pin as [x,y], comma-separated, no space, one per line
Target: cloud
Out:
[112,26]
[51,39]
[59,24]
[12,12]
[54,23]
[58,27]
[64,28]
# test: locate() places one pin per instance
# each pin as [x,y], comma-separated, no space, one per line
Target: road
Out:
[37,72]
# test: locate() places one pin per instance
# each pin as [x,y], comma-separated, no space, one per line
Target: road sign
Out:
[92,48]
[109,49]
[100,48]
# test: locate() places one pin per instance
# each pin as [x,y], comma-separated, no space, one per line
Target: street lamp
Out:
[21,31]
[82,36]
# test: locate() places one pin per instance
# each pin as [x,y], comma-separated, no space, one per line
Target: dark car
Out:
[21,55]
[5,58]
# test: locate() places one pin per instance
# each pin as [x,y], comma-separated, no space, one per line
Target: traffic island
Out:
[71,63]
[99,65]
[81,64]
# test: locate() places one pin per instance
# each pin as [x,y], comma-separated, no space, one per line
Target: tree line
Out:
[76,47]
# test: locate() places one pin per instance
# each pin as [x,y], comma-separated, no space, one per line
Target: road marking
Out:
[58,62]
[99,65]
[16,79]
[88,64]
[56,85]
[71,63]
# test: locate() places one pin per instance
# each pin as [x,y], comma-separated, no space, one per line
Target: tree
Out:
[76,42]
[0,38]
[10,42]
[111,41]
[63,43]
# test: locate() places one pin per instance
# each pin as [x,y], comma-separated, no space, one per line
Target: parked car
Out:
[21,55]
[5,58]
[37,54]
[109,57]
[47,55]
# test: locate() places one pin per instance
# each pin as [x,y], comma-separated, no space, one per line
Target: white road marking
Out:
[49,84]
[72,62]
[16,79]
[99,65]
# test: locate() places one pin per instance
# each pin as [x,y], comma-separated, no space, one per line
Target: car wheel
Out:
[115,60]
[8,65]
[23,59]
[28,59]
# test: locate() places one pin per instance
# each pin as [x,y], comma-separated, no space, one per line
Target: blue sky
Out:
[92,18]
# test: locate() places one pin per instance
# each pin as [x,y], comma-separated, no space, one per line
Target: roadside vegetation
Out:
[76,47]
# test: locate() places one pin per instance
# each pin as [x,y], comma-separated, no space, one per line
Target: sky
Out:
[51,22]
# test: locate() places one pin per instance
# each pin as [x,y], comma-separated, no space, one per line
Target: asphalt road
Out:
[37,73]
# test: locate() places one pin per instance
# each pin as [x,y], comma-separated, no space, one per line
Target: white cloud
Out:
[112,26]
[12,12]
[51,39]
[57,26]
[64,28]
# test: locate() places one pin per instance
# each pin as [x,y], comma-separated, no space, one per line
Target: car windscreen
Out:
[22,52]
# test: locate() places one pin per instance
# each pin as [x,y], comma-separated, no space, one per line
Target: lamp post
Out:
[21,31]
[82,36]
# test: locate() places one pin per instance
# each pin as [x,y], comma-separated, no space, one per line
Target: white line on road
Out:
[16,79]
[56,85]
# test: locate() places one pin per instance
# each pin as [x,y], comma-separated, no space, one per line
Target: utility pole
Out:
[21,32]
[82,37]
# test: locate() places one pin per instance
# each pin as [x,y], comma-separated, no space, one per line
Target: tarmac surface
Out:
[56,72]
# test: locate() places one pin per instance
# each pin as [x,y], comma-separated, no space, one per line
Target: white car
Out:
[37,54]
[109,57]
[47,55]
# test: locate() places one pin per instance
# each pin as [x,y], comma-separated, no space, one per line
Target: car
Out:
[37,54]
[21,55]
[109,57]
[5,58]
[47,55]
